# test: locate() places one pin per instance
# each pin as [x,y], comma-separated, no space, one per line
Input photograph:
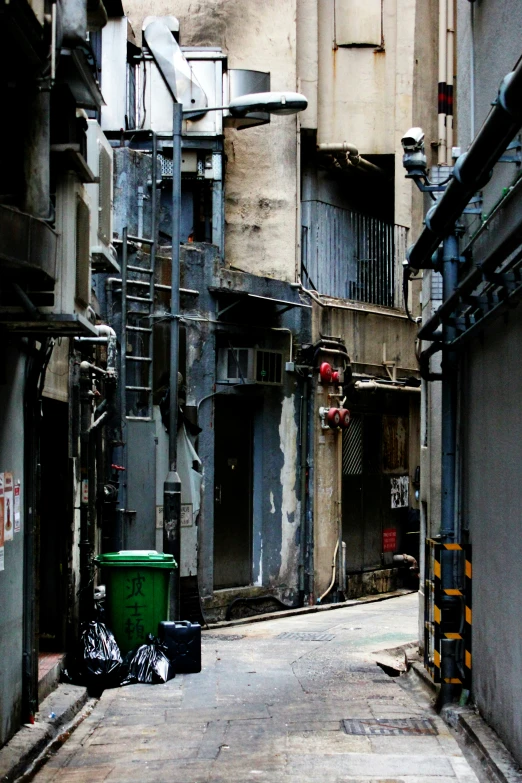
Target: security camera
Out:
[413,139]
[414,159]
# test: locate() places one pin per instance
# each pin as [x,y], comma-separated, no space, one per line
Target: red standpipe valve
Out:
[325,372]
[345,416]
[333,418]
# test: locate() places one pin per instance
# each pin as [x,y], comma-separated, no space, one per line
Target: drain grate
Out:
[222,637]
[304,636]
[389,727]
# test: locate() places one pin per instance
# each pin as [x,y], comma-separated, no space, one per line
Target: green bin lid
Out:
[126,558]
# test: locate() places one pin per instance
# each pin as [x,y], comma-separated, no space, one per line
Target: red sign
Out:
[389,540]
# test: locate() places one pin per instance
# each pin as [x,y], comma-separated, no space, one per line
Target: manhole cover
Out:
[386,727]
[304,636]
[222,637]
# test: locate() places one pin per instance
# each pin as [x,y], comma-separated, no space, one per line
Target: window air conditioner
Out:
[99,160]
[250,365]
[72,293]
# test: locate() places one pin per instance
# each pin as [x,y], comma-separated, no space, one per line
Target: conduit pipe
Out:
[375,386]
[443,43]
[472,170]
[334,568]
[351,157]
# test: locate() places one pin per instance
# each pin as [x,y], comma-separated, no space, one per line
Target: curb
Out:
[485,744]
[259,618]
[491,752]
[31,740]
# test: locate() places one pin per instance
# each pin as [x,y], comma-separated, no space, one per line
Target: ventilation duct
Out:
[173,66]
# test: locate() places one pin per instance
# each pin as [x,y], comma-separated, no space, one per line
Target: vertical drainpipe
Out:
[443,27]
[448,533]
[450,76]
[340,558]
[86,474]
[172,485]
[303,468]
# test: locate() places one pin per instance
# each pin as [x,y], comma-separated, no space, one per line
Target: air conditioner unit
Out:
[99,160]
[250,365]
[72,293]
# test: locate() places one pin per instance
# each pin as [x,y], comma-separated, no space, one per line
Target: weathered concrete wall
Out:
[11,578]
[261,170]
[492,455]
[276,501]
[365,94]
[364,334]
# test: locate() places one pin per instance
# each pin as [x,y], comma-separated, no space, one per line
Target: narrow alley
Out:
[292,699]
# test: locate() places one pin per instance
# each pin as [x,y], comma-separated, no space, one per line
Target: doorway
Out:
[375,463]
[233,492]
[55,526]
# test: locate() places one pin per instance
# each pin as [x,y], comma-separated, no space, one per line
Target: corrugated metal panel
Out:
[352,256]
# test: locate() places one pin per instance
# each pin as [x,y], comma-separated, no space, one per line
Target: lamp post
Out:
[273,103]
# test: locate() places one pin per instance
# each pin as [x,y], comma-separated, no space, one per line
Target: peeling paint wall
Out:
[289,505]
[261,170]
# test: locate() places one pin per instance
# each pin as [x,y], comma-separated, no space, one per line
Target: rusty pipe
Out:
[414,566]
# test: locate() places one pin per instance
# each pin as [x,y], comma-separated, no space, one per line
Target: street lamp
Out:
[272,103]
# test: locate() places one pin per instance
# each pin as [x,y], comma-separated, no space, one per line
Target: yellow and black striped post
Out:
[447,617]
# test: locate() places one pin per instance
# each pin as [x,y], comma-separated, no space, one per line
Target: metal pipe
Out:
[332,352]
[450,78]
[414,566]
[443,33]
[340,575]
[334,569]
[154,235]
[172,485]
[303,483]
[375,385]
[352,157]
[123,382]
[472,71]
[26,302]
[448,461]
[472,169]
[86,520]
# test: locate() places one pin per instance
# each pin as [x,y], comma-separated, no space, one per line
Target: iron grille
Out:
[269,367]
[386,727]
[352,256]
[353,447]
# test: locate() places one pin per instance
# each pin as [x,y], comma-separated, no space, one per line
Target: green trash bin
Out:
[137,598]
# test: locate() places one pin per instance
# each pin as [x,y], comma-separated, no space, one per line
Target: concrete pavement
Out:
[295,700]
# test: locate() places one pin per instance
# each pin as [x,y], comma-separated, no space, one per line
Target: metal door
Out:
[374,450]
[233,493]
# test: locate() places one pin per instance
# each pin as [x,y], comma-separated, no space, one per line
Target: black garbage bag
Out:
[101,660]
[148,663]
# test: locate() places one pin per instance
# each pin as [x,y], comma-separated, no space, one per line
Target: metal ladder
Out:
[137,309]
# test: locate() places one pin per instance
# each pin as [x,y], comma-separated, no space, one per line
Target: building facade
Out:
[470,449]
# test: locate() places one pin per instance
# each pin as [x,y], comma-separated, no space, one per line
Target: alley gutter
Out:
[473,731]
[259,618]
[33,740]
[486,744]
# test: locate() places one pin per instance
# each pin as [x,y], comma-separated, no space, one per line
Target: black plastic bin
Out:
[183,641]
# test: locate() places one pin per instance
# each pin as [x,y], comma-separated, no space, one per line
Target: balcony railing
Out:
[351,256]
